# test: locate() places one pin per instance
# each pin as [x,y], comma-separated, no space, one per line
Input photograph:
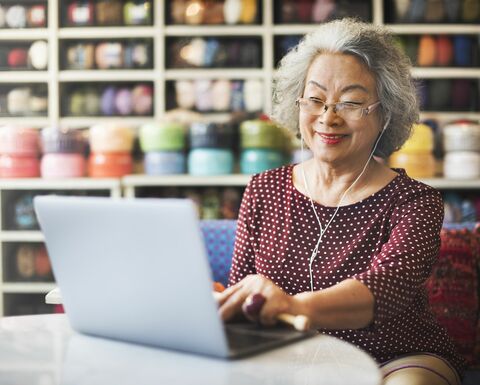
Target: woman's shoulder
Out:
[412,193]
[271,180]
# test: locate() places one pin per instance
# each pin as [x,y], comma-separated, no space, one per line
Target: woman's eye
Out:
[350,104]
[316,100]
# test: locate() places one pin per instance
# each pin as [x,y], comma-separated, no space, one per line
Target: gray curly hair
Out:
[376,47]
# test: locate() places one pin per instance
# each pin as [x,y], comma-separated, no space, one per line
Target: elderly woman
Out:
[342,238]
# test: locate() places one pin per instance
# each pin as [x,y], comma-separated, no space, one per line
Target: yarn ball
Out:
[427,51]
[221,91]
[462,46]
[80,12]
[461,94]
[37,16]
[137,12]
[185,94]
[18,100]
[43,269]
[17,58]
[38,55]
[232,10]
[25,218]
[77,103]
[92,102]
[123,101]
[203,95]
[142,99]
[444,50]
[2,17]
[16,16]
[109,55]
[107,102]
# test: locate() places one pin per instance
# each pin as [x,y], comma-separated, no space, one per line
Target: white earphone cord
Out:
[323,230]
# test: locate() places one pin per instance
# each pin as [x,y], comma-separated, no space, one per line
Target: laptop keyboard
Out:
[242,336]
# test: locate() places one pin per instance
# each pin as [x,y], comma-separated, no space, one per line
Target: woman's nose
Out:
[330,117]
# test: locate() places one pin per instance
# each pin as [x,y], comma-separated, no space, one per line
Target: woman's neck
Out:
[327,185]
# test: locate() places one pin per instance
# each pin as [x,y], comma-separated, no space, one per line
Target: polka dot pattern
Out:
[388,241]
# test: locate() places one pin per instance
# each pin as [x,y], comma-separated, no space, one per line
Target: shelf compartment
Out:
[197,52]
[26,262]
[22,300]
[119,99]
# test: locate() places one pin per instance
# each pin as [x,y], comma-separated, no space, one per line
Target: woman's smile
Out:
[330,139]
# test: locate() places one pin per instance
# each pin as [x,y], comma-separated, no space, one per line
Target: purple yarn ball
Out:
[107,104]
[123,101]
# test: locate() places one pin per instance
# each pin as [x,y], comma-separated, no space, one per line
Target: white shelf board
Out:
[242,180]
[28,287]
[63,184]
[419,29]
[445,72]
[26,121]
[442,183]
[24,76]
[106,32]
[87,121]
[215,73]
[185,180]
[106,75]
[31,34]
[439,115]
[294,29]
[217,30]
[21,236]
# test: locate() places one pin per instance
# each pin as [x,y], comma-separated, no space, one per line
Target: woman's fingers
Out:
[232,304]
[225,295]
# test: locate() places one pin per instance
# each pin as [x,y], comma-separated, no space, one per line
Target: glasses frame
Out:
[364,110]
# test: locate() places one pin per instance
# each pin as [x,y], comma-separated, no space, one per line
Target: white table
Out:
[43,350]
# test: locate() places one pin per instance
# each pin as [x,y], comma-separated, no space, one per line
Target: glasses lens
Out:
[350,113]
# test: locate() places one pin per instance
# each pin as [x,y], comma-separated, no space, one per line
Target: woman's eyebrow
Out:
[345,89]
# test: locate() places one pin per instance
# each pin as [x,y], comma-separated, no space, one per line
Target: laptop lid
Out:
[133,270]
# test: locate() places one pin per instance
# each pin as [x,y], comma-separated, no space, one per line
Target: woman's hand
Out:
[277,301]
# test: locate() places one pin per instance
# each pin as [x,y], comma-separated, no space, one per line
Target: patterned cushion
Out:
[453,287]
[219,236]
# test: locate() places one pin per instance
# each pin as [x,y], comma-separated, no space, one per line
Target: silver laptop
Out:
[137,270]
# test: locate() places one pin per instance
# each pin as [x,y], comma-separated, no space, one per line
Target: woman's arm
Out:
[346,305]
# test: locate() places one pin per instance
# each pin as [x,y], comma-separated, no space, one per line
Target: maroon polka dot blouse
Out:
[388,241]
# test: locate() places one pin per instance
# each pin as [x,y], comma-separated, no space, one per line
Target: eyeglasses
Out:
[347,111]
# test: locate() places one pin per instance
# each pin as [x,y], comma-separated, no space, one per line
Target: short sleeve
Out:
[397,274]
[243,261]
